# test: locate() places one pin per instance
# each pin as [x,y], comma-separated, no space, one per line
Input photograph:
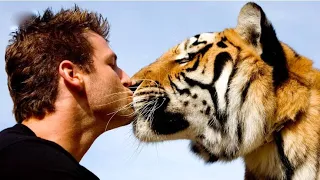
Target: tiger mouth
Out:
[160,120]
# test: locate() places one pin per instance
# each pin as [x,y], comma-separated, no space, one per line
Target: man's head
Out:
[70,46]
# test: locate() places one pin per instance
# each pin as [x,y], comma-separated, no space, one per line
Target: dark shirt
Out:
[25,156]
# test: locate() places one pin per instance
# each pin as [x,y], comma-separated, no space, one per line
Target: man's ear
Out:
[71,74]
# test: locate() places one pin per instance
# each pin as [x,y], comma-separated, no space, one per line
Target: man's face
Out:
[106,86]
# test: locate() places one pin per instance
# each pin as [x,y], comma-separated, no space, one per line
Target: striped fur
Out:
[227,92]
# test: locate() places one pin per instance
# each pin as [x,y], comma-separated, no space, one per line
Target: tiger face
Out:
[228,93]
[203,89]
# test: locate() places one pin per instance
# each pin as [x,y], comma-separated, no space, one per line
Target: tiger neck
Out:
[298,111]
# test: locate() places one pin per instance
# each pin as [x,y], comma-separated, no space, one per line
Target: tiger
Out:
[238,93]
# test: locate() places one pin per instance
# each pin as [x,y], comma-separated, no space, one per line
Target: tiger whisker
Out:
[114,113]
[114,101]
[150,112]
[117,93]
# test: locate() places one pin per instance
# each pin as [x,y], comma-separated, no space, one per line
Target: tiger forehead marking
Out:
[194,44]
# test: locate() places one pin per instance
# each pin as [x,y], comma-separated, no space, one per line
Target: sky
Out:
[140,33]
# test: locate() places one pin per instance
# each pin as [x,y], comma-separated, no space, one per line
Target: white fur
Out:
[221,85]
[306,171]
[186,46]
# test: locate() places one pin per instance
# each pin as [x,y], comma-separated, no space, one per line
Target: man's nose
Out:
[125,79]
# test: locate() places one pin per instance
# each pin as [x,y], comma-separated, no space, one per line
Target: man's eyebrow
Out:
[111,57]
[115,57]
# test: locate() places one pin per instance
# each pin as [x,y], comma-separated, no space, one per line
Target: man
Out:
[67,90]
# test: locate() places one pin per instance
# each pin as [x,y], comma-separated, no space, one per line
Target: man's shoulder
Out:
[24,154]
[35,148]
[15,134]
[32,159]
[18,148]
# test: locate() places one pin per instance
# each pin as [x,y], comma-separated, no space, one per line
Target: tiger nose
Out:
[134,86]
[138,78]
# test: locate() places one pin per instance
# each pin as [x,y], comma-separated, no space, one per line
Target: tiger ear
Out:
[253,24]
[254,27]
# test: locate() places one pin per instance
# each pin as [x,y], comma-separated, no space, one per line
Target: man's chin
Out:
[119,121]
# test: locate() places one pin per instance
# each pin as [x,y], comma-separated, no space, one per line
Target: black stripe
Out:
[234,71]
[200,149]
[300,158]
[208,87]
[288,169]
[212,158]
[272,52]
[175,87]
[197,42]
[202,51]
[205,49]
[214,98]
[197,36]
[220,116]
[221,44]
[221,59]
[207,111]
[245,92]
[204,69]
[177,76]
[148,92]
[192,55]
[195,149]
[239,131]
[192,82]
[226,39]
[195,65]
[239,126]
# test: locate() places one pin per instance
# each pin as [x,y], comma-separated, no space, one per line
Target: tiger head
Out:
[216,89]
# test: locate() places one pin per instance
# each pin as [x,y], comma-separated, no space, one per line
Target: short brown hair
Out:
[35,51]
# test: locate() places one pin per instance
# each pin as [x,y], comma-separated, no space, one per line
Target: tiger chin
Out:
[236,93]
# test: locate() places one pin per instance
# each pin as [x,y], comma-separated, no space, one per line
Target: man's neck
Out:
[72,129]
